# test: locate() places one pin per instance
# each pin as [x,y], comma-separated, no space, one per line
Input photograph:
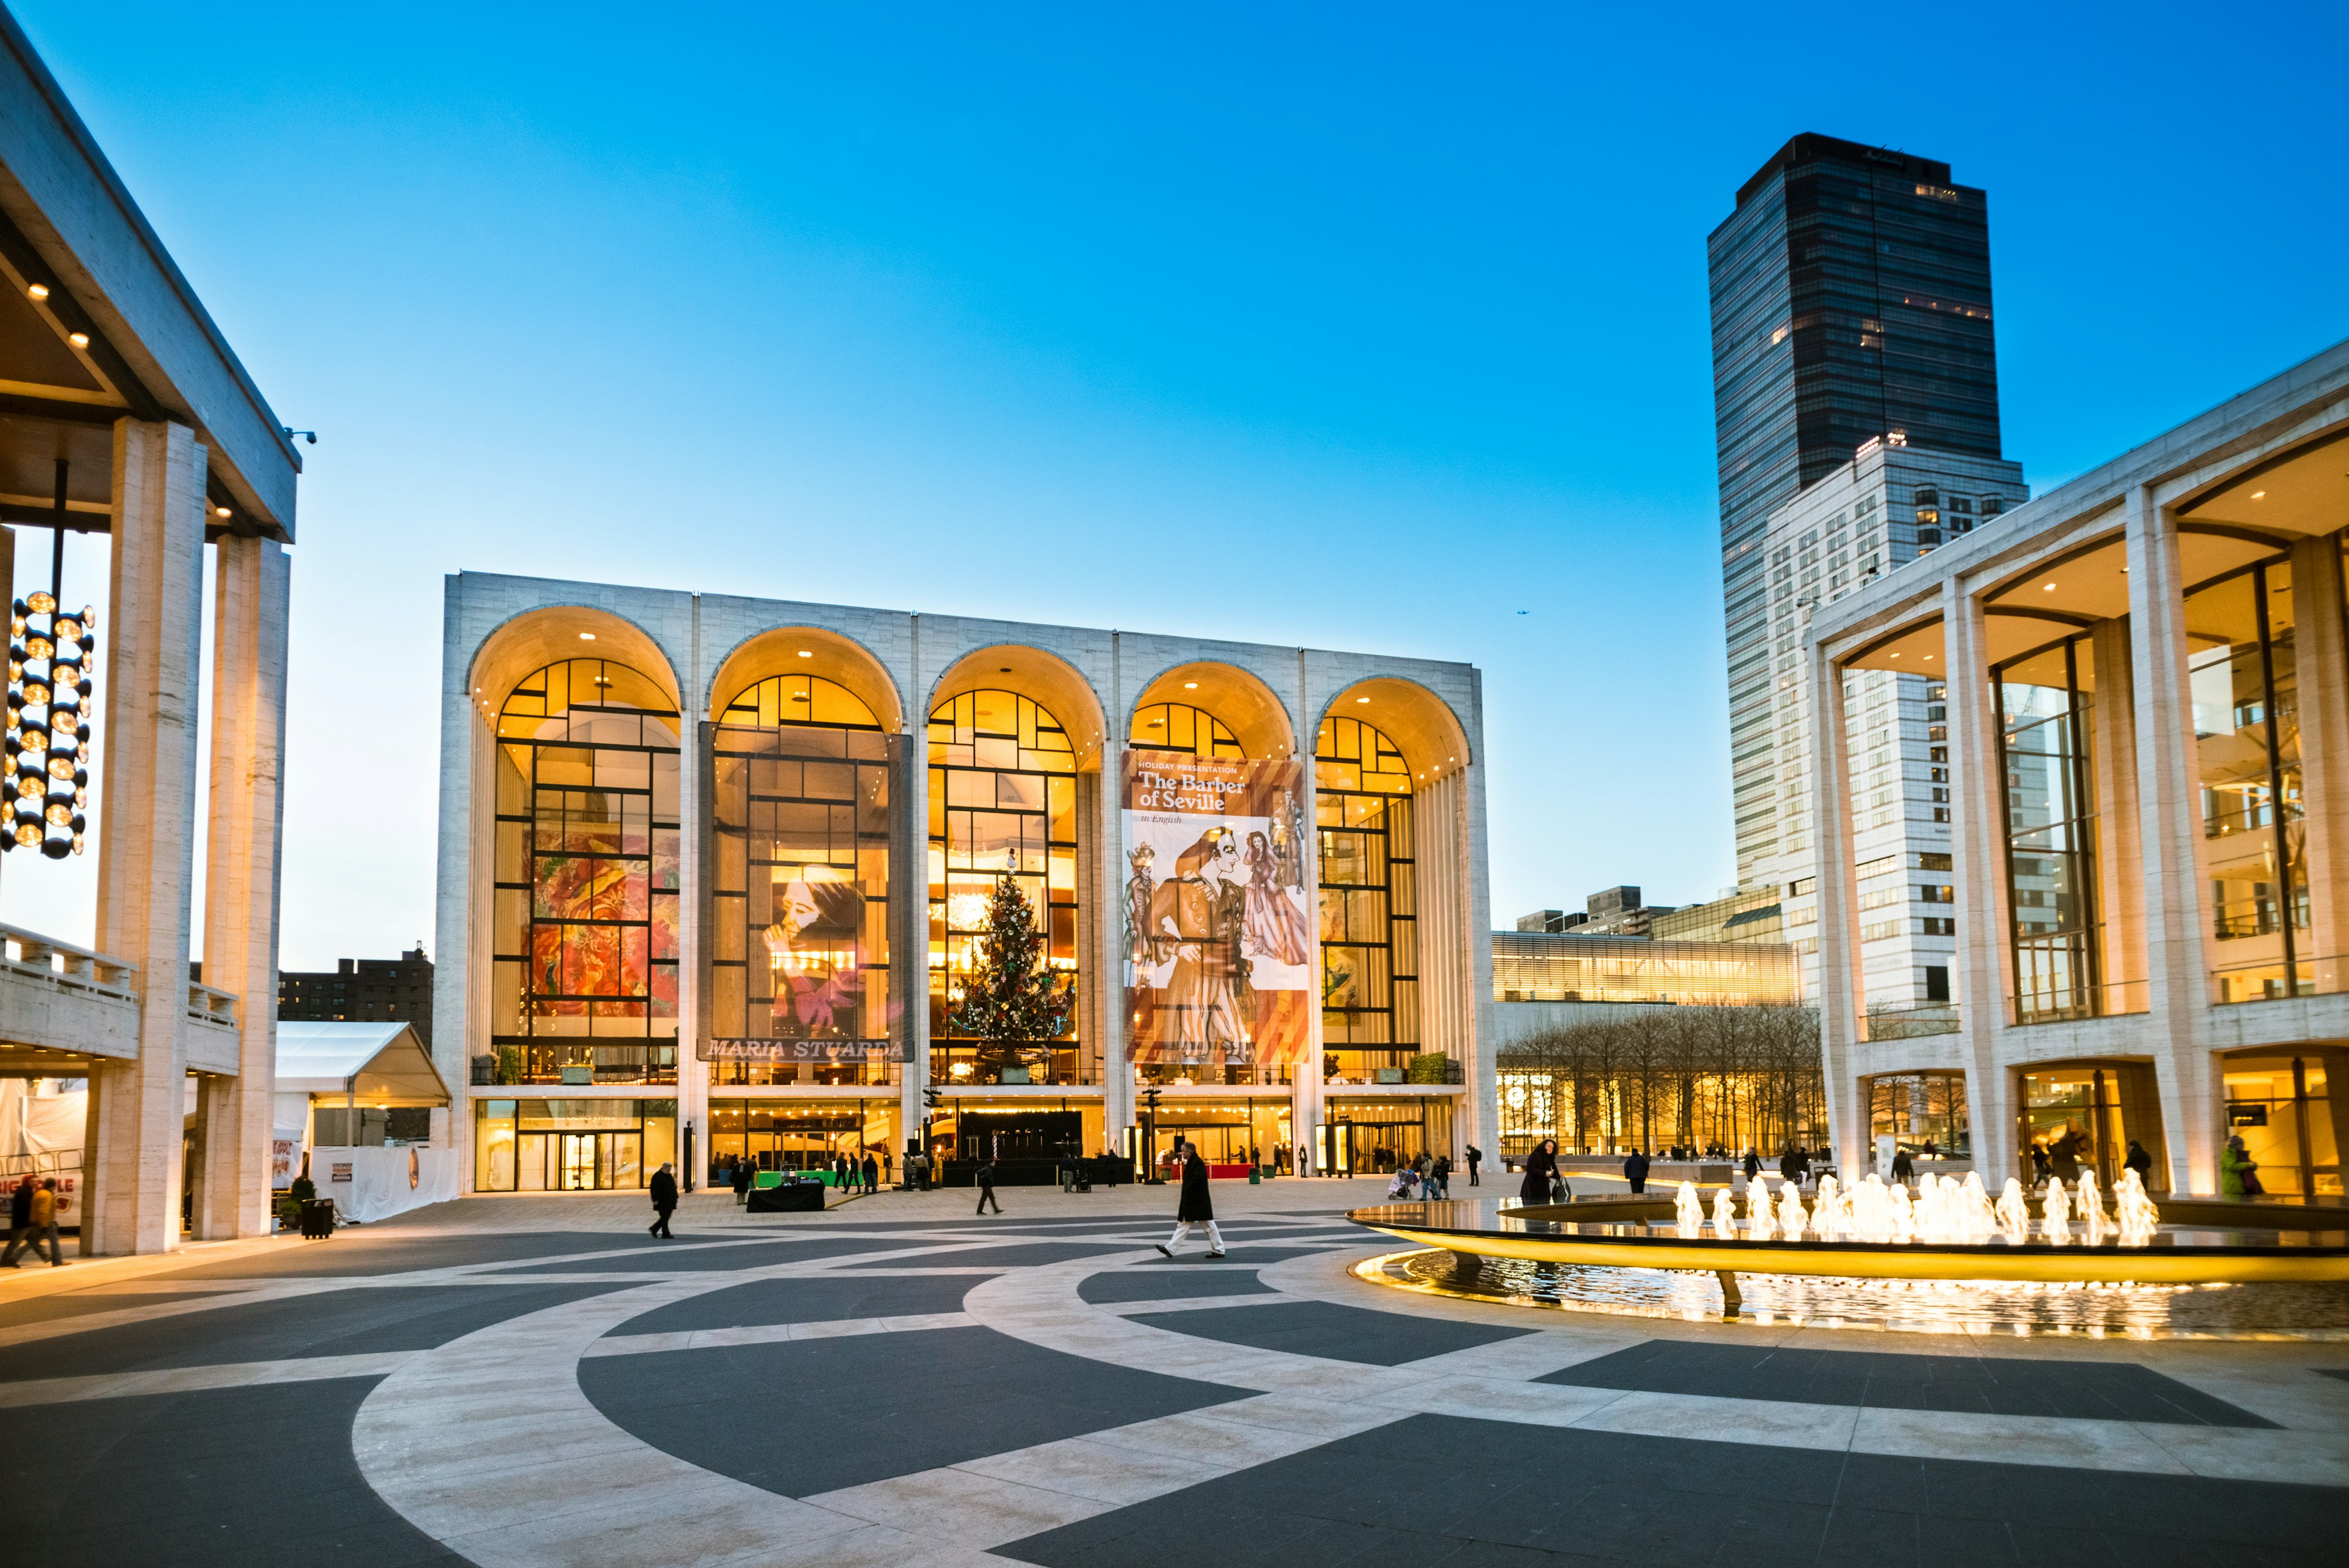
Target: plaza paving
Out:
[534,1381]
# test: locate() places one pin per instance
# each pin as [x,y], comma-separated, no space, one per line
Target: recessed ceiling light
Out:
[2051,587]
[1190,686]
[587,637]
[2259,495]
[219,511]
[79,339]
[807,653]
[38,290]
[1362,699]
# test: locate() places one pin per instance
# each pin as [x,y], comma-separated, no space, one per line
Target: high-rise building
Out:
[1851,303]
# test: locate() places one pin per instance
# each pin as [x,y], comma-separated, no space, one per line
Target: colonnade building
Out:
[125,413]
[2147,681]
[714,872]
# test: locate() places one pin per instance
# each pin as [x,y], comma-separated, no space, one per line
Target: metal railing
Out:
[2274,980]
[2071,1003]
[1909,1022]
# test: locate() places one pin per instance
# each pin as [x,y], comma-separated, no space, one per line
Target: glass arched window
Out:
[799,886]
[1179,727]
[1369,948]
[585,917]
[1003,796]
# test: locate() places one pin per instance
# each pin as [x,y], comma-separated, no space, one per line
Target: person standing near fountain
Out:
[1541,1169]
[2237,1169]
[2138,1160]
[1635,1170]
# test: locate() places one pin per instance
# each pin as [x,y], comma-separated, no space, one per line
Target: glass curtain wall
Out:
[584,919]
[2043,731]
[1370,949]
[799,884]
[2241,660]
[2281,1107]
[570,1145]
[1923,1112]
[1003,797]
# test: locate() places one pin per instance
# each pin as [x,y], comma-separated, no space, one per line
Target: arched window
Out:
[799,886]
[1179,727]
[1369,948]
[1003,796]
[586,919]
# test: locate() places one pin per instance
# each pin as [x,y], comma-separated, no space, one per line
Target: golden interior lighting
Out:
[38,291]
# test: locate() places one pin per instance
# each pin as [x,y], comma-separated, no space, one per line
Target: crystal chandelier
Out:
[50,657]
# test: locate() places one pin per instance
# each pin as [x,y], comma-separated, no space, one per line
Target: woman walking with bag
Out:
[1196,1209]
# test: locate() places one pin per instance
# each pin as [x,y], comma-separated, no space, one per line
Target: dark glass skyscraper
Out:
[1850,302]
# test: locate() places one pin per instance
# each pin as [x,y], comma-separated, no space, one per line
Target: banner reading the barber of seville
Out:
[1218,946]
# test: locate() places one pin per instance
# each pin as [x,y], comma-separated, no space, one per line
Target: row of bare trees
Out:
[1731,1077]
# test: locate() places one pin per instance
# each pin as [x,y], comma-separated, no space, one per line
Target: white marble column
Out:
[910,849]
[1306,1097]
[1841,999]
[694,778]
[2178,979]
[247,796]
[146,841]
[2320,643]
[1978,845]
[2120,871]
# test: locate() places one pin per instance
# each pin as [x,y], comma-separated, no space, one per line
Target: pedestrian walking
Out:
[741,1181]
[664,1194]
[872,1173]
[920,1166]
[1635,1170]
[986,1179]
[1475,1158]
[20,1222]
[1904,1169]
[1197,1208]
[1753,1165]
[2138,1160]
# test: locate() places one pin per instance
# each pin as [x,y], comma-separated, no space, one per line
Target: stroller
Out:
[1405,1185]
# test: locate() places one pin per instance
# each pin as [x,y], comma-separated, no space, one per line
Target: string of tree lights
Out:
[52,654]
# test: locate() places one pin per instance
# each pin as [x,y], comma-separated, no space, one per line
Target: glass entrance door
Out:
[578,1156]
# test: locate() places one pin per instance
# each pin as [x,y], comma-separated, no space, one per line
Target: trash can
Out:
[318,1219]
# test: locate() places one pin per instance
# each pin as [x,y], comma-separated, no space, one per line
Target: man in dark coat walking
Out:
[664,1194]
[1196,1209]
[1635,1170]
[984,1177]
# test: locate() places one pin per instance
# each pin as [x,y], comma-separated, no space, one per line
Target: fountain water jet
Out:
[1688,1208]
[1724,1214]
[2013,1212]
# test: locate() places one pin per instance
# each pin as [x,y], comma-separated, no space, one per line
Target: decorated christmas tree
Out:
[1011,998]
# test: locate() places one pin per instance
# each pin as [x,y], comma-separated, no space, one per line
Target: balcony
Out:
[2274,979]
[60,997]
[2071,1003]
[1912,1022]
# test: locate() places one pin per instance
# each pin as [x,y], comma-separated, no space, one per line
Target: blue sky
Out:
[1393,321]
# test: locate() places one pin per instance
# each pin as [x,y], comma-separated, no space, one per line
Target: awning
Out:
[379,1063]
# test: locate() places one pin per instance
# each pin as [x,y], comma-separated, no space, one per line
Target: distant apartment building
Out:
[363,991]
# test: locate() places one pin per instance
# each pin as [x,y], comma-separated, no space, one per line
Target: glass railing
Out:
[1909,1022]
[583,1062]
[2274,980]
[2071,1003]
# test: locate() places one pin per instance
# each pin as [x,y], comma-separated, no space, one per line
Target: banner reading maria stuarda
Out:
[1218,946]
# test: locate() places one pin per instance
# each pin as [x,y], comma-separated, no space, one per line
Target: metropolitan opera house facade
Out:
[716,875]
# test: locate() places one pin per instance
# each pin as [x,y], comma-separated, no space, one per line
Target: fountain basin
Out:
[2171,1254]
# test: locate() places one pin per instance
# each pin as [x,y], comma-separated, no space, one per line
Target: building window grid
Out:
[1002,795]
[802,796]
[2042,725]
[1368,926]
[1180,727]
[584,885]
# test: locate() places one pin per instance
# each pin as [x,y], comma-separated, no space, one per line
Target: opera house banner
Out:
[1218,946]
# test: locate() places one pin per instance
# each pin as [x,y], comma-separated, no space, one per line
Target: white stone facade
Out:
[709,648]
[2127,567]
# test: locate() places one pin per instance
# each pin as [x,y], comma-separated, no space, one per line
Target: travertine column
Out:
[911,849]
[1307,1097]
[2120,873]
[1841,997]
[2318,638]
[241,876]
[1978,845]
[694,778]
[2170,821]
[146,841]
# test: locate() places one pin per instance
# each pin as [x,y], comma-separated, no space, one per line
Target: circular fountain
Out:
[1946,1260]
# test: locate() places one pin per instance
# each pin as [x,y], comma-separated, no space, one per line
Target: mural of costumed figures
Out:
[1202,913]
[1288,843]
[812,952]
[1275,922]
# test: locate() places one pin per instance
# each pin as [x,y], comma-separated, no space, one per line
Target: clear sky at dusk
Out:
[1361,328]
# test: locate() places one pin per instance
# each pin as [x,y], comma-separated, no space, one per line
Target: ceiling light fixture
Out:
[1190,686]
[79,339]
[587,637]
[220,511]
[37,290]
[2259,495]
[807,653]
[1362,699]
